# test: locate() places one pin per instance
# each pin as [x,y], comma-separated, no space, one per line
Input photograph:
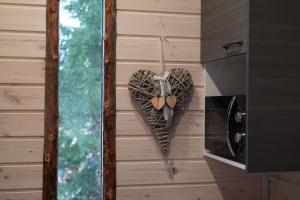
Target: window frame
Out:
[51,102]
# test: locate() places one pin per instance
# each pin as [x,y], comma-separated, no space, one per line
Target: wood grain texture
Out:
[21,177]
[247,190]
[131,123]
[293,177]
[29,2]
[124,101]
[185,172]
[22,71]
[21,150]
[20,18]
[109,110]
[274,94]
[136,48]
[22,45]
[180,6]
[154,24]
[51,102]
[284,189]
[223,22]
[135,149]
[21,195]
[21,98]
[126,69]
[21,124]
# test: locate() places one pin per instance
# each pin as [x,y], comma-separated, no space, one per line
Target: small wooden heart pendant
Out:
[158,102]
[171,101]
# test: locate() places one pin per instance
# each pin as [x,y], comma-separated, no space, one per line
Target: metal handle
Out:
[229,113]
[226,46]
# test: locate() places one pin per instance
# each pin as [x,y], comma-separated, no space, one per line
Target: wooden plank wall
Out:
[22,53]
[285,186]
[141,171]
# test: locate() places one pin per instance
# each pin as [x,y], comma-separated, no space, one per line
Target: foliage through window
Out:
[80,100]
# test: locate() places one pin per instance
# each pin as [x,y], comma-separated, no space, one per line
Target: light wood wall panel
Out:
[126,69]
[21,177]
[139,48]
[22,18]
[179,6]
[22,78]
[21,124]
[181,148]
[240,190]
[29,2]
[21,150]
[151,173]
[22,71]
[21,195]
[285,186]
[131,123]
[21,98]
[124,101]
[284,190]
[22,45]
[157,24]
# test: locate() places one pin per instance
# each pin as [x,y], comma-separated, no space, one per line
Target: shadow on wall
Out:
[285,186]
[234,183]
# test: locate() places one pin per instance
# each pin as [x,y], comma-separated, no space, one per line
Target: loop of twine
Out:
[162,39]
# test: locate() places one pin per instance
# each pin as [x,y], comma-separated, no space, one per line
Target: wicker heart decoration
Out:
[160,99]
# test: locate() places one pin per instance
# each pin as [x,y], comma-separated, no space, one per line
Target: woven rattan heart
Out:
[144,89]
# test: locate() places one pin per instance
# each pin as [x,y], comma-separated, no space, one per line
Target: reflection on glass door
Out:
[80,100]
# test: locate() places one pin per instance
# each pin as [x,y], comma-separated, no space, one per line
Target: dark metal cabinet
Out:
[270,31]
[224,28]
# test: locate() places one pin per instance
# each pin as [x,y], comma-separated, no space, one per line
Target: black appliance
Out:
[250,51]
[225,108]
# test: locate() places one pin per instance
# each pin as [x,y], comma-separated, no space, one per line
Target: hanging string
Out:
[162,65]
[165,87]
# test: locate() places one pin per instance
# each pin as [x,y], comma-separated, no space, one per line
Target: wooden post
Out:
[109,123]
[51,103]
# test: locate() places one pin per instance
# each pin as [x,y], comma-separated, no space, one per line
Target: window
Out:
[77,166]
[80,100]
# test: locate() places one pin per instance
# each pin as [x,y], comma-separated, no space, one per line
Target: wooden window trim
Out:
[51,103]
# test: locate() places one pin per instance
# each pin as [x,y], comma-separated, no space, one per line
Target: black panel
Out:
[223,129]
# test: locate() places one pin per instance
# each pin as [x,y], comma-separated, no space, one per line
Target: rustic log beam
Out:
[51,103]
[109,115]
